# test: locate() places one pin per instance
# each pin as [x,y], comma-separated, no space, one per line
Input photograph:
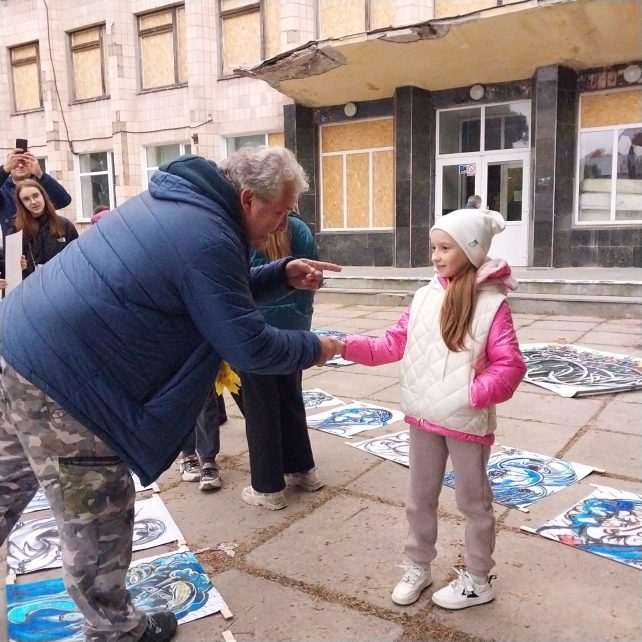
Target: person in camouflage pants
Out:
[91,493]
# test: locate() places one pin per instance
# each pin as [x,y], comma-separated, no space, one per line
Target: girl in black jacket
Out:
[45,233]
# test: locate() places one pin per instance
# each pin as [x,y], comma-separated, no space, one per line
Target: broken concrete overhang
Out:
[504,43]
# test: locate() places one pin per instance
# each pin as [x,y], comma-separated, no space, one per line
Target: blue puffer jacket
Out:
[294,312]
[126,327]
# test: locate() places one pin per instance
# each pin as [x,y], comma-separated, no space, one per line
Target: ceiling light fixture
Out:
[632,73]
[350,109]
[477,92]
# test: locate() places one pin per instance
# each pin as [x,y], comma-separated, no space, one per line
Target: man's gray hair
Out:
[267,171]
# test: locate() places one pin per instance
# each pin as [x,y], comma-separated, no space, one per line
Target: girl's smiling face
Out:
[32,199]
[448,258]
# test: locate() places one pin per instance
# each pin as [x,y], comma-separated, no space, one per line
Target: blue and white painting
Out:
[354,418]
[572,371]
[317,398]
[35,545]
[39,501]
[394,447]
[608,522]
[44,612]
[519,478]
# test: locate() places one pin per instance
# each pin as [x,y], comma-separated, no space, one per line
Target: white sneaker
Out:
[190,469]
[414,581]
[308,481]
[271,501]
[463,592]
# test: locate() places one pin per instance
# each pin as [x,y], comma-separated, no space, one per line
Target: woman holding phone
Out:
[44,232]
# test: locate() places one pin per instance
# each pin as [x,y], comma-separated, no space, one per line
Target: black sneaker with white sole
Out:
[161,627]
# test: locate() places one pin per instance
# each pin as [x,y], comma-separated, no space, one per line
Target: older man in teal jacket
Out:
[109,349]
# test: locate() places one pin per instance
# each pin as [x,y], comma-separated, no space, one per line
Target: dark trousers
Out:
[205,439]
[277,429]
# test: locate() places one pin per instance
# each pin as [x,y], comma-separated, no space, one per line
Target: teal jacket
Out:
[294,312]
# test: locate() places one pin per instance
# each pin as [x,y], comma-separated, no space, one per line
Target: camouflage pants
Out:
[91,494]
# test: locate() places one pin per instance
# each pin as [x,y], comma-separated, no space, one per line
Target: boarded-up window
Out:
[275,139]
[340,18]
[357,175]
[162,48]
[241,34]
[88,63]
[25,68]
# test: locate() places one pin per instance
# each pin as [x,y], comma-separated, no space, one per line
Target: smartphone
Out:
[22,143]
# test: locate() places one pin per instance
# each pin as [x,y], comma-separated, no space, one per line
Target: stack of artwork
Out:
[42,611]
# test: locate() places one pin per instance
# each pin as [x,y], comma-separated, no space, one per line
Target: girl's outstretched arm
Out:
[375,351]
[506,368]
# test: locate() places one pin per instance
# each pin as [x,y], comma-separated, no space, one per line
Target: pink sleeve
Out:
[505,369]
[375,351]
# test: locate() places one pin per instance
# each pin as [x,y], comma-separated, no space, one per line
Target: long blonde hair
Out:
[456,317]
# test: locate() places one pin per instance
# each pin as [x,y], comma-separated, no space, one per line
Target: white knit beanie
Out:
[472,230]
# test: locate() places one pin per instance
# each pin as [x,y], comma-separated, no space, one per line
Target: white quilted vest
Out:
[435,382]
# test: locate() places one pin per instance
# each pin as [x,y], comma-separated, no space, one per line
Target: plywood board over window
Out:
[163,48]
[275,139]
[611,108]
[357,175]
[241,34]
[87,62]
[340,18]
[272,23]
[25,65]
[382,14]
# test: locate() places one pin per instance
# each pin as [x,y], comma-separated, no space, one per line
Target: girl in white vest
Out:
[459,357]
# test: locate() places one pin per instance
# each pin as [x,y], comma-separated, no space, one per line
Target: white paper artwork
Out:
[317,398]
[35,545]
[354,418]
[12,254]
[393,447]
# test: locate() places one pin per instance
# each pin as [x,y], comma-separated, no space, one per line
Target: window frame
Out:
[224,151]
[84,47]
[156,30]
[145,167]
[251,6]
[109,172]
[13,65]
[344,154]
[612,221]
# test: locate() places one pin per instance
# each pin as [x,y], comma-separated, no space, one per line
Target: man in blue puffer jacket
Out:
[109,350]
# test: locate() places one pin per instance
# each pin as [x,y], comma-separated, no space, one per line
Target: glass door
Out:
[502,179]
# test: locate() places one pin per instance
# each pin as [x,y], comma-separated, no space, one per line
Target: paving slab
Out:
[619,339]
[351,545]
[550,408]
[529,334]
[560,326]
[345,383]
[539,437]
[620,416]
[617,327]
[549,591]
[617,454]
[266,611]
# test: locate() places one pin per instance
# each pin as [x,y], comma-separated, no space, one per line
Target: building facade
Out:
[398,109]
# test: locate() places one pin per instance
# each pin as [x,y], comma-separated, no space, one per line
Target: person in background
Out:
[473,203]
[19,166]
[44,232]
[109,351]
[99,212]
[460,356]
[275,419]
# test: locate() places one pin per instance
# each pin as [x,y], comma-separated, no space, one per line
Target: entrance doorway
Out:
[503,184]
[485,151]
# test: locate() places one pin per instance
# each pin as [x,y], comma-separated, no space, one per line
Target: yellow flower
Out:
[226,378]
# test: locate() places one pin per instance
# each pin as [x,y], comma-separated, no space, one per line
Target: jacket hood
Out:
[498,272]
[494,273]
[194,180]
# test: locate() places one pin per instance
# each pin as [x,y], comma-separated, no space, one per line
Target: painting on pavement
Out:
[519,478]
[317,398]
[608,522]
[572,371]
[393,447]
[354,418]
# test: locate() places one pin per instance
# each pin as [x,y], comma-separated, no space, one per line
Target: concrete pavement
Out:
[323,568]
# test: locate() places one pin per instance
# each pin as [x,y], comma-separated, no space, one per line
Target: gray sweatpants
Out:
[91,494]
[428,456]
